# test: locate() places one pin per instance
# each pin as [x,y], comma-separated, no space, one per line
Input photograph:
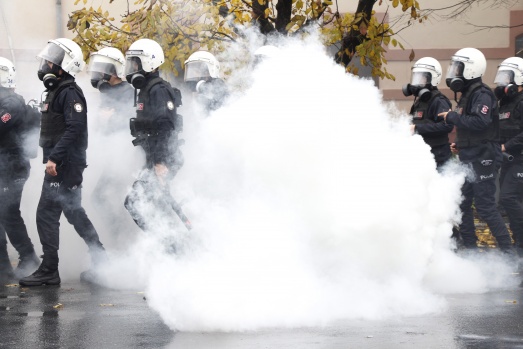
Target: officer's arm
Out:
[437,106]
[479,117]
[11,114]
[161,148]
[516,143]
[75,115]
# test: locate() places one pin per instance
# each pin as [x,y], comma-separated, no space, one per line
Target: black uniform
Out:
[63,138]
[433,130]
[117,98]
[18,122]
[116,108]
[212,94]
[155,129]
[477,122]
[511,175]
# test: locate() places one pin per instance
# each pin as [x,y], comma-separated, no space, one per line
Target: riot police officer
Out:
[509,91]
[63,138]
[18,122]
[265,52]
[155,129]
[477,122]
[428,103]
[107,70]
[202,75]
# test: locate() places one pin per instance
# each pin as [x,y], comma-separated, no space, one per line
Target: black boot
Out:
[42,276]
[27,265]
[98,259]
[6,271]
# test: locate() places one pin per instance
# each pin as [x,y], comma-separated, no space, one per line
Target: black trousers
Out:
[11,221]
[53,201]
[147,204]
[483,194]
[511,196]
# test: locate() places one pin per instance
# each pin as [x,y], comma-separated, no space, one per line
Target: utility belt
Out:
[141,129]
[471,143]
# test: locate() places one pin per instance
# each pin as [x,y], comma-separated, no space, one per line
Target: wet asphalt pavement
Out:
[79,315]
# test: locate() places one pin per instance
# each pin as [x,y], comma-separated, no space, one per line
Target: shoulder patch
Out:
[5,118]
[484,109]
[170,105]
[78,107]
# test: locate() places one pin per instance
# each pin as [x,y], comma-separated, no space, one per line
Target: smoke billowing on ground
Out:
[310,200]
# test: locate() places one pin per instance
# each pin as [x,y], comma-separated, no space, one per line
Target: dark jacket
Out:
[511,123]
[156,107]
[69,152]
[433,130]
[16,124]
[477,123]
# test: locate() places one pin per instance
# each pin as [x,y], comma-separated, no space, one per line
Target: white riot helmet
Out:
[64,53]
[143,56]
[267,51]
[264,52]
[7,73]
[201,65]
[510,71]
[466,64]
[426,70]
[509,77]
[108,60]
[105,63]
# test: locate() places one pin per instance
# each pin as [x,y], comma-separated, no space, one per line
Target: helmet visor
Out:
[195,71]
[455,70]
[421,78]
[133,65]
[101,67]
[504,77]
[51,53]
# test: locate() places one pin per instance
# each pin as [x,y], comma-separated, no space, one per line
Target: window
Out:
[519,45]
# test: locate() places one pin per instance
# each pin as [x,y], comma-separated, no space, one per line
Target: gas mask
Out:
[49,76]
[101,81]
[456,84]
[509,91]
[136,79]
[422,93]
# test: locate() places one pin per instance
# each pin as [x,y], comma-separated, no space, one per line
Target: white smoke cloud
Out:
[310,201]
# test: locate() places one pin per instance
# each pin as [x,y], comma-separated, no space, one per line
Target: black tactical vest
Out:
[510,118]
[470,138]
[53,122]
[419,116]
[143,107]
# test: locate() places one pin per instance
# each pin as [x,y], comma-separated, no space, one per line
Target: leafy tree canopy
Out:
[185,26]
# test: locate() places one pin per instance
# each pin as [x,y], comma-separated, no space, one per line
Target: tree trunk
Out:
[355,36]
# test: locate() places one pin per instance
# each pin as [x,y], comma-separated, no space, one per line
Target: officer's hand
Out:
[453,148]
[503,148]
[50,168]
[161,172]
[443,116]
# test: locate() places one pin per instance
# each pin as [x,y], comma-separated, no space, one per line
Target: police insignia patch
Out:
[5,118]
[503,116]
[484,109]
[170,105]
[78,107]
